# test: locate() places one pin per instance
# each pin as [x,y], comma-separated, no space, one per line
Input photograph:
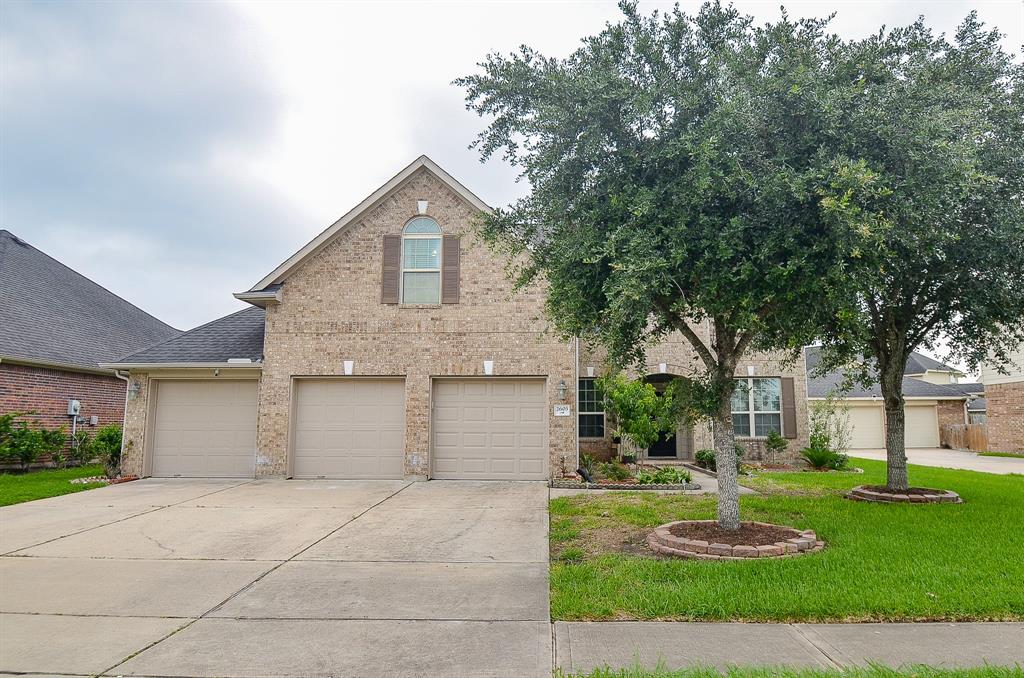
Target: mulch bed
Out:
[909,490]
[754,534]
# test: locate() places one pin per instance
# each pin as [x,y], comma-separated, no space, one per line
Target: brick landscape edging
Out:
[574,485]
[663,541]
[862,493]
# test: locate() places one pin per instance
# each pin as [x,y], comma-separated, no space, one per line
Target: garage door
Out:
[205,429]
[922,426]
[349,428]
[866,429]
[489,429]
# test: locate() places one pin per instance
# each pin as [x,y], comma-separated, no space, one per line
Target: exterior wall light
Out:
[561,390]
[134,388]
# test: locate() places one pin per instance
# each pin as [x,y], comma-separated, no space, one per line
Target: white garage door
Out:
[922,426]
[866,429]
[205,429]
[489,429]
[349,428]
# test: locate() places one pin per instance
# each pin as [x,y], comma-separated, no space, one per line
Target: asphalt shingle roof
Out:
[919,364]
[820,386]
[239,335]
[53,315]
[977,405]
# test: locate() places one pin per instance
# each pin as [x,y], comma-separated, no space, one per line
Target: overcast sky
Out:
[177,152]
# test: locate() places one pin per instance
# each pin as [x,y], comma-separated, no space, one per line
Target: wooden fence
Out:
[972,437]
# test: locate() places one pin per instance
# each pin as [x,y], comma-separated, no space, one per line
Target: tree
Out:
[938,127]
[678,182]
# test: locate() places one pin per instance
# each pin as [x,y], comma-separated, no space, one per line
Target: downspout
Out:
[124,416]
[576,391]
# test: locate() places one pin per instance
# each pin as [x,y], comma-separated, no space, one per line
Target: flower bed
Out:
[631,484]
[704,540]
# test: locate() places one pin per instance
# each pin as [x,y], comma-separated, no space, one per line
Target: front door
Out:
[665,447]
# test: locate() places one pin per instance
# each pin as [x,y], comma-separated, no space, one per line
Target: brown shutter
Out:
[391,262]
[450,270]
[788,409]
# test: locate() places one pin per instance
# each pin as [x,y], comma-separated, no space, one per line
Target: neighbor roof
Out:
[918,363]
[820,386]
[313,246]
[239,335]
[51,315]
[977,405]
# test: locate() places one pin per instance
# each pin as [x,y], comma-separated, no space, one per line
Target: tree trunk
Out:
[725,461]
[895,430]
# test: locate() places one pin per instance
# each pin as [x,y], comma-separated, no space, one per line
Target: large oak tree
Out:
[937,124]
[681,180]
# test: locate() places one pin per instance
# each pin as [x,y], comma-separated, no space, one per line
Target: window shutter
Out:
[788,409]
[450,254]
[391,262]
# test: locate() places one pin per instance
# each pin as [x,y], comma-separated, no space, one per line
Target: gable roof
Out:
[239,335]
[820,386]
[316,244]
[919,363]
[51,315]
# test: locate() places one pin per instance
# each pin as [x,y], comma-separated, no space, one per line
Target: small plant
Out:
[81,448]
[24,442]
[664,476]
[821,457]
[706,458]
[588,464]
[106,445]
[775,444]
[613,470]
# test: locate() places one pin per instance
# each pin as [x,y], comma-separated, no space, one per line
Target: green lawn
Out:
[1012,455]
[772,672]
[18,487]
[881,562]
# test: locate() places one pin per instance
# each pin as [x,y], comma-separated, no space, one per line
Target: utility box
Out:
[74,407]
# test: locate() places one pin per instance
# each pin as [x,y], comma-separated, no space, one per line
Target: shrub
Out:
[81,447]
[588,464]
[24,442]
[821,457]
[706,458]
[775,444]
[107,447]
[637,408]
[664,476]
[614,470]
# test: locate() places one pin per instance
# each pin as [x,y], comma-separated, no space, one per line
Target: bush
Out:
[668,475]
[81,448]
[588,464]
[24,442]
[706,458]
[107,447]
[821,457]
[614,470]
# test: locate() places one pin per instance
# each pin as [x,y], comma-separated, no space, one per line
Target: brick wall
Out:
[332,312]
[950,412]
[46,391]
[1005,416]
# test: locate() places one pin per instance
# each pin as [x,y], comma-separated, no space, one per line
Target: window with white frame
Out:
[591,409]
[757,407]
[421,262]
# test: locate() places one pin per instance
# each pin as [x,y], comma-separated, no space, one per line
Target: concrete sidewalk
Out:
[583,646]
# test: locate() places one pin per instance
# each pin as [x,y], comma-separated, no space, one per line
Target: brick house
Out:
[1004,398]
[56,326]
[393,345]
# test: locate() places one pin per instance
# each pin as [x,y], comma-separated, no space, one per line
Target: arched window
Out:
[421,262]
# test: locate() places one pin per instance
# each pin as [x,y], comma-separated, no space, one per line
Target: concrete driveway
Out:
[283,578]
[959,459]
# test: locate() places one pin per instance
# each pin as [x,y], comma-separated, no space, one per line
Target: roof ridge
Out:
[191,331]
[88,280]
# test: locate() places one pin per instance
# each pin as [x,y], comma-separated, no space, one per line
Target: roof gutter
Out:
[879,398]
[65,367]
[177,366]
[261,298]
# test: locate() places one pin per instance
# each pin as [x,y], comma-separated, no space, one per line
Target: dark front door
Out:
[665,447]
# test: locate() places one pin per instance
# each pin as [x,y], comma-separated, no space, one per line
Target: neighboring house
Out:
[56,326]
[1004,398]
[929,404]
[392,346]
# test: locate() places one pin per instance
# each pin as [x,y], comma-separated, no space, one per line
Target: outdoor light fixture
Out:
[134,388]
[561,390]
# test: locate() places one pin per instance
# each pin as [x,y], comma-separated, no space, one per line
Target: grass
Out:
[952,562]
[774,672]
[1012,455]
[16,488]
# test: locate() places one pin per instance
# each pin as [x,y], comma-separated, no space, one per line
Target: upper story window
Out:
[591,409]
[757,407]
[421,262]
